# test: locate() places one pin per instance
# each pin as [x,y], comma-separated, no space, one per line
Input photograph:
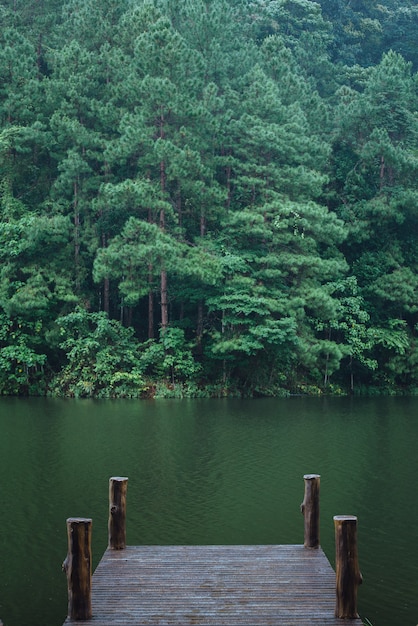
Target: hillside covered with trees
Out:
[208,197]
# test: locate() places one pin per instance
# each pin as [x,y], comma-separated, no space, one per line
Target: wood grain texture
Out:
[117,512]
[78,567]
[214,585]
[348,575]
[310,510]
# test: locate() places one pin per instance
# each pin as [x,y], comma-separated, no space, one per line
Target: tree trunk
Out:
[76,236]
[351,375]
[106,295]
[39,57]
[151,333]
[202,225]
[106,284]
[122,311]
[199,327]
[382,172]
[164,300]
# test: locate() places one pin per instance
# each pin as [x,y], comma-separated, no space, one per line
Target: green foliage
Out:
[236,179]
[34,279]
[102,358]
[171,358]
[21,363]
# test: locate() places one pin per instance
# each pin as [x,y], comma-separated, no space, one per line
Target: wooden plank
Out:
[214,586]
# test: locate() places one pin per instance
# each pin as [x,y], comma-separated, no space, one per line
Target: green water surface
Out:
[207,472]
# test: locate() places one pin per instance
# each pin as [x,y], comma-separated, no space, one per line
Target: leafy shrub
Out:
[102,358]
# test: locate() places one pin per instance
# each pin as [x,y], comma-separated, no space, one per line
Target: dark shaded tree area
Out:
[208,197]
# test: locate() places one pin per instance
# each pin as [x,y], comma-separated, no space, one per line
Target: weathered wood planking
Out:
[214,585]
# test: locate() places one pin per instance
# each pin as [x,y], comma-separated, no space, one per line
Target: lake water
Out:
[207,472]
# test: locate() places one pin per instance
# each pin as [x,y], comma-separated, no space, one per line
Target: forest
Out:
[208,197]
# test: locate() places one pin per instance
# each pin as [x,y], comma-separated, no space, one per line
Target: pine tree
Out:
[376,154]
[164,145]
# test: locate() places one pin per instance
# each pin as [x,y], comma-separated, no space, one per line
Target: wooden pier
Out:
[292,585]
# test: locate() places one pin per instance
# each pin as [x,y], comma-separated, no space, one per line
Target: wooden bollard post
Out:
[77,566]
[348,576]
[118,487]
[310,510]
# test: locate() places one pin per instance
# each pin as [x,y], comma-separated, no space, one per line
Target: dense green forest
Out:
[208,197]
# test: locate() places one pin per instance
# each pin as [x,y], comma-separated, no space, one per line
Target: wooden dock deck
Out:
[270,585]
[214,585]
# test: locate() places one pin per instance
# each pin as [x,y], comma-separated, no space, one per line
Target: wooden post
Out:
[348,576]
[310,510]
[77,566]
[117,512]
